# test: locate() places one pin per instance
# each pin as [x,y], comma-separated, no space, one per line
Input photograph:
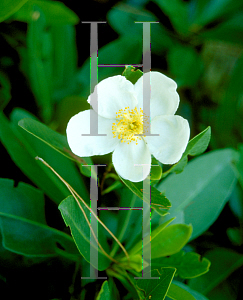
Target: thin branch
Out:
[75,195]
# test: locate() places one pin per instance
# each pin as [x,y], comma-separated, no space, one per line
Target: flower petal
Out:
[164,99]
[126,156]
[174,132]
[114,93]
[90,145]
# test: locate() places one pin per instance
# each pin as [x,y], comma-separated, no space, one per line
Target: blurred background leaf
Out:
[56,13]
[5,91]
[199,193]
[8,7]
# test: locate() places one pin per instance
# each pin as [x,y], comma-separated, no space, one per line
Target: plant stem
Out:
[124,227]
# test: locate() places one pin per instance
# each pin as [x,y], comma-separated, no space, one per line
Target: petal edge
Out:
[174,133]
[126,156]
[90,145]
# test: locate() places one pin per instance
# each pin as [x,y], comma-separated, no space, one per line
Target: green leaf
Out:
[235,236]
[52,60]
[8,7]
[156,170]
[104,293]
[195,294]
[227,290]
[199,143]
[66,108]
[5,94]
[19,114]
[170,240]
[158,201]
[229,31]
[22,201]
[39,46]
[113,288]
[178,167]
[187,264]
[122,19]
[114,186]
[199,194]
[210,10]
[134,262]
[56,13]
[224,262]
[80,231]
[132,74]
[188,70]
[24,147]
[23,225]
[196,146]
[156,288]
[126,278]
[175,292]
[239,165]
[64,62]
[52,138]
[156,233]
[227,118]
[236,200]
[178,13]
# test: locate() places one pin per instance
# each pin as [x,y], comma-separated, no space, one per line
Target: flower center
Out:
[129,122]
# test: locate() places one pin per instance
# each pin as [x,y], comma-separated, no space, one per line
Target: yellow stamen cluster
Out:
[129,122]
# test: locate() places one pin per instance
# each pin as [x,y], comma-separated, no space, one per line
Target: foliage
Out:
[196,204]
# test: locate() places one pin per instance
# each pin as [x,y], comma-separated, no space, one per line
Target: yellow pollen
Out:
[129,123]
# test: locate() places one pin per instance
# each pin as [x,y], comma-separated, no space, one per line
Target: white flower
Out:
[120,117]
